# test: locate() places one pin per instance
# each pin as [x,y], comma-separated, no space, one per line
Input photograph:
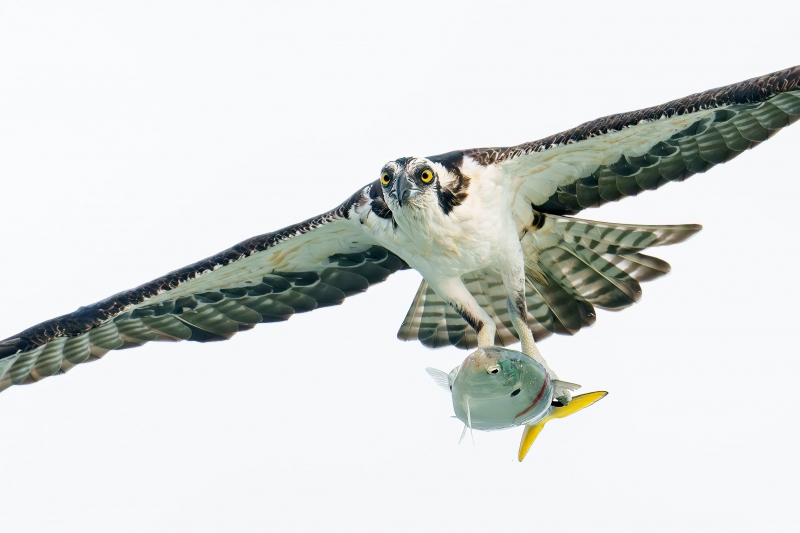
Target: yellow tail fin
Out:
[578,402]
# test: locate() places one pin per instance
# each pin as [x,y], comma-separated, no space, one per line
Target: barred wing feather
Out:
[268,278]
[622,155]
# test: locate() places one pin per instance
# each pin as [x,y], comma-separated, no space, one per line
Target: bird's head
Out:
[420,183]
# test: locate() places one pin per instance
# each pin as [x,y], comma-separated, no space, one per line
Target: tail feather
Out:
[640,266]
[591,276]
[563,306]
[634,237]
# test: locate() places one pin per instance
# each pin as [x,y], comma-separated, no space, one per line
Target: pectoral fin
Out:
[441,378]
[532,431]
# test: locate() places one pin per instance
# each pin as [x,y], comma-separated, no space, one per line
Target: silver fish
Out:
[496,388]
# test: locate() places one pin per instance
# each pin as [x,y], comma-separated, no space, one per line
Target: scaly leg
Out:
[518,308]
[455,293]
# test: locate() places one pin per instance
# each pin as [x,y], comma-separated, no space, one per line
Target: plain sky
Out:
[138,137]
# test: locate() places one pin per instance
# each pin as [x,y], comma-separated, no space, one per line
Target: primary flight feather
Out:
[491,231]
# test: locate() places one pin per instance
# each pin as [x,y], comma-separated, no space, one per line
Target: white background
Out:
[139,137]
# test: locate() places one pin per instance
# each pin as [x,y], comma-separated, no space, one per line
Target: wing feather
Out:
[573,264]
[622,155]
[268,278]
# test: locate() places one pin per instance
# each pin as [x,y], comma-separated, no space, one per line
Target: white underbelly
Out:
[452,255]
[478,234]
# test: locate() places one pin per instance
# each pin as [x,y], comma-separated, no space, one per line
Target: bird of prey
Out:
[491,230]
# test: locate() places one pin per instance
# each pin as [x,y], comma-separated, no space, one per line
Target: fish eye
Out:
[426,176]
[493,369]
[385,179]
[514,393]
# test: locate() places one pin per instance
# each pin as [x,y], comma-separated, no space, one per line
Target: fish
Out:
[496,388]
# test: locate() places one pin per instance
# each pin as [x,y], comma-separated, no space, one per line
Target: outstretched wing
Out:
[268,278]
[622,155]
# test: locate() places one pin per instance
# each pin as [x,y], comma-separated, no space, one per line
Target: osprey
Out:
[491,230]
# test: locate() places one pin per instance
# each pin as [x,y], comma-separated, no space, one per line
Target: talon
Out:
[562,397]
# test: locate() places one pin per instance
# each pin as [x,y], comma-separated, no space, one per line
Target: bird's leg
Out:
[518,309]
[455,293]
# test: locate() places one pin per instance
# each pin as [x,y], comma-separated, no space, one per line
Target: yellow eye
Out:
[385,178]
[426,176]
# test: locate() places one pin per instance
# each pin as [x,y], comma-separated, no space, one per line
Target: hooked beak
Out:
[402,188]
